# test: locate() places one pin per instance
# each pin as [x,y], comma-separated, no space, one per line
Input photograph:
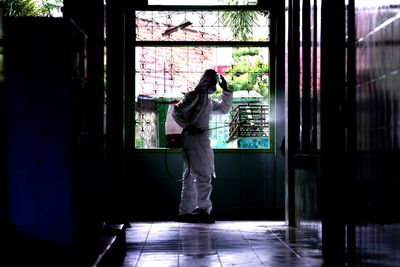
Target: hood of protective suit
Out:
[188,109]
[208,82]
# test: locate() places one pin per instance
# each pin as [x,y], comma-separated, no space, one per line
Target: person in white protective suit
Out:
[193,113]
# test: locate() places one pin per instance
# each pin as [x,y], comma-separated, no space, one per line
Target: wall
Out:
[375,183]
[3,191]
[348,191]
[50,151]
[39,127]
[303,115]
[246,186]
[378,113]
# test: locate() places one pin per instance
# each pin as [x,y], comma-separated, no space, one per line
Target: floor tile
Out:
[224,243]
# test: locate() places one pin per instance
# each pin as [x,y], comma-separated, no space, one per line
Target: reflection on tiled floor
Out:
[378,245]
[225,243]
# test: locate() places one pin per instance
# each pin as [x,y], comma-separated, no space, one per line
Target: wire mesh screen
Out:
[247,25]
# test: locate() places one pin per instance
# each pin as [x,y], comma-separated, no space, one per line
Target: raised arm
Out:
[225,104]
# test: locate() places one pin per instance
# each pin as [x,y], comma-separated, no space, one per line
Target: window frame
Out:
[132,43]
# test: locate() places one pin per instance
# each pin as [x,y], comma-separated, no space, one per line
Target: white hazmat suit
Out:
[193,113]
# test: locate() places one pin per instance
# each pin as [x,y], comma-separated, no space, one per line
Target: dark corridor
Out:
[75,190]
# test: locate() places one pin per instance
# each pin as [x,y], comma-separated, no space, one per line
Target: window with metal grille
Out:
[172,50]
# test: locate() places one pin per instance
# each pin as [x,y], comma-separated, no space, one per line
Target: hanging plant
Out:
[240,22]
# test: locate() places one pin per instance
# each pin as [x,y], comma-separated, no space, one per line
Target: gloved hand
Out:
[223,84]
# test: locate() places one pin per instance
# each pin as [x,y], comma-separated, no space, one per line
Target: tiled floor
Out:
[224,243]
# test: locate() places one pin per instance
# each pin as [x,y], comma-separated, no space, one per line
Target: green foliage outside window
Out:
[31,8]
[240,22]
[249,72]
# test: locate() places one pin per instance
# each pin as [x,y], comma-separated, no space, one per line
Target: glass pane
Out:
[202,2]
[164,74]
[202,25]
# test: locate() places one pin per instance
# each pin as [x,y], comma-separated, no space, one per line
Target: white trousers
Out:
[196,192]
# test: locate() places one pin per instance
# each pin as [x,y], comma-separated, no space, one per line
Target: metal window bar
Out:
[249,121]
[195,26]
